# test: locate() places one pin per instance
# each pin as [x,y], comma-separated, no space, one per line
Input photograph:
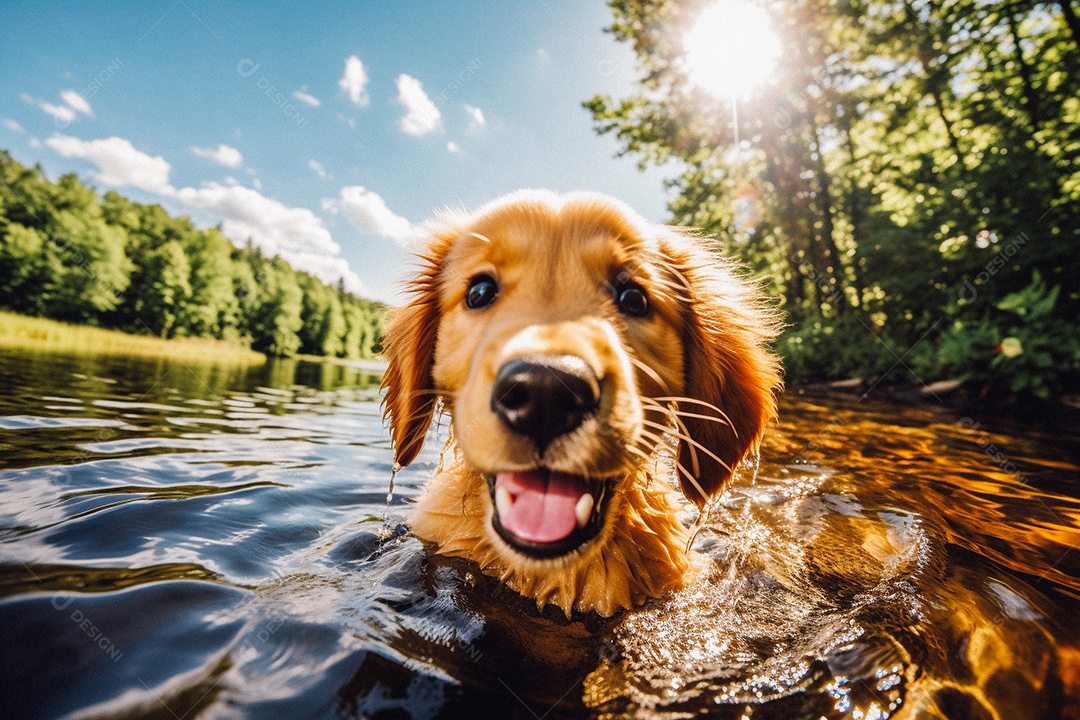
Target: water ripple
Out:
[212,540]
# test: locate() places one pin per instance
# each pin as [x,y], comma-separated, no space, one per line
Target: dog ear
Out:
[409,348]
[730,375]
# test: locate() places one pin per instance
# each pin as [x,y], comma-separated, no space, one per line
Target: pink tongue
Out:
[543,510]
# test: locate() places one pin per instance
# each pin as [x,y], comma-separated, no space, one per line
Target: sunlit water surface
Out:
[181,541]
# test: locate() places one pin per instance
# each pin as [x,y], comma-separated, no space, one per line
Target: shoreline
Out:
[28,333]
[955,395]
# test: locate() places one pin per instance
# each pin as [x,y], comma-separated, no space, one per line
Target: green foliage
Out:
[213,305]
[279,301]
[69,255]
[21,265]
[819,348]
[907,171]
[1019,344]
[162,289]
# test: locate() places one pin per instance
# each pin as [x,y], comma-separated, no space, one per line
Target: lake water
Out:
[181,541]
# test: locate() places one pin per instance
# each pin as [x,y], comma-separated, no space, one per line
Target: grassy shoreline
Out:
[23,332]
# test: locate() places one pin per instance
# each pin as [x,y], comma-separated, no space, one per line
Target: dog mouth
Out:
[545,513]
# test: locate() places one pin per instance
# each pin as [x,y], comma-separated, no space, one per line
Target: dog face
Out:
[566,338]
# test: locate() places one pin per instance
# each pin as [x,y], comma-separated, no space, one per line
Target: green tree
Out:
[213,307]
[163,292]
[68,254]
[323,328]
[909,165]
[277,318]
[86,267]
[21,267]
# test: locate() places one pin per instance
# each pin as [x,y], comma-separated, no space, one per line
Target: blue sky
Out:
[328,132]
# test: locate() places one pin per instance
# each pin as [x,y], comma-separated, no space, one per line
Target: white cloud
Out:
[303,96]
[77,102]
[257,184]
[329,269]
[543,55]
[275,227]
[354,81]
[119,163]
[14,126]
[476,116]
[62,114]
[421,116]
[296,234]
[453,147]
[368,213]
[222,155]
[317,167]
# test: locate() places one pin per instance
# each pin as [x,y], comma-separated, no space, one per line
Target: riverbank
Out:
[968,398]
[31,333]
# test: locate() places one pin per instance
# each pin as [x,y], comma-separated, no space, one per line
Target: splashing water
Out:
[216,541]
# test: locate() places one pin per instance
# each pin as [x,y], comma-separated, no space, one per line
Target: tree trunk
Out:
[834,269]
[788,225]
[855,212]
[1070,19]
[1031,99]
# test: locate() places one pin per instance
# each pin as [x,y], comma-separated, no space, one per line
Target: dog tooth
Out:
[503,500]
[583,509]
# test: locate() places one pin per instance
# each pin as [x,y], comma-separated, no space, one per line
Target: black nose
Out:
[545,398]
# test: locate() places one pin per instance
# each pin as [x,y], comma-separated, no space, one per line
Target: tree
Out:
[213,307]
[279,303]
[86,268]
[21,267]
[163,291]
[910,164]
[323,328]
[68,254]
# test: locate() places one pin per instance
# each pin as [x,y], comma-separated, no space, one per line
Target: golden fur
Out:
[695,368]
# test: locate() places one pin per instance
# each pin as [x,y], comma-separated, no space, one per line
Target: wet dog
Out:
[576,347]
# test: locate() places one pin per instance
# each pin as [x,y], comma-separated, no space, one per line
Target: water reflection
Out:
[210,539]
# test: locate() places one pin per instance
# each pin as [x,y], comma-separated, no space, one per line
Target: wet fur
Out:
[696,368]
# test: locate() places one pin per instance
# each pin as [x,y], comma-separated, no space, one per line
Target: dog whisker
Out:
[657,439]
[693,444]
[695,401]
[685,433]
[431,391]
[690,477]
[683,398]
[422,413]
[639,452]
[653,375]
[721,421]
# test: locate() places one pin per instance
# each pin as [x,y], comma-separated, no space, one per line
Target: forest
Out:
[906,183]
[68,254]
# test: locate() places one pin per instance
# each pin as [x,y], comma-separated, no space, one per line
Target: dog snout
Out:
[544,398]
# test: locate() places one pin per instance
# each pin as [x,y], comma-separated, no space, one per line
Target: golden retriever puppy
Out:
[573,345]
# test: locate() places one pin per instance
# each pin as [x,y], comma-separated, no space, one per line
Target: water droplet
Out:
[390,493]
[701,521]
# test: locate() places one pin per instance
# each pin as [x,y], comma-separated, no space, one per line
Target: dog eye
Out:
[632,300]
[482,292]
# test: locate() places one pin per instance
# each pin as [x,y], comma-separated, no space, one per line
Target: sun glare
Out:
[731,48]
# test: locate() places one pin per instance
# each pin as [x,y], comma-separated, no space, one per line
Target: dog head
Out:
[567,338]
